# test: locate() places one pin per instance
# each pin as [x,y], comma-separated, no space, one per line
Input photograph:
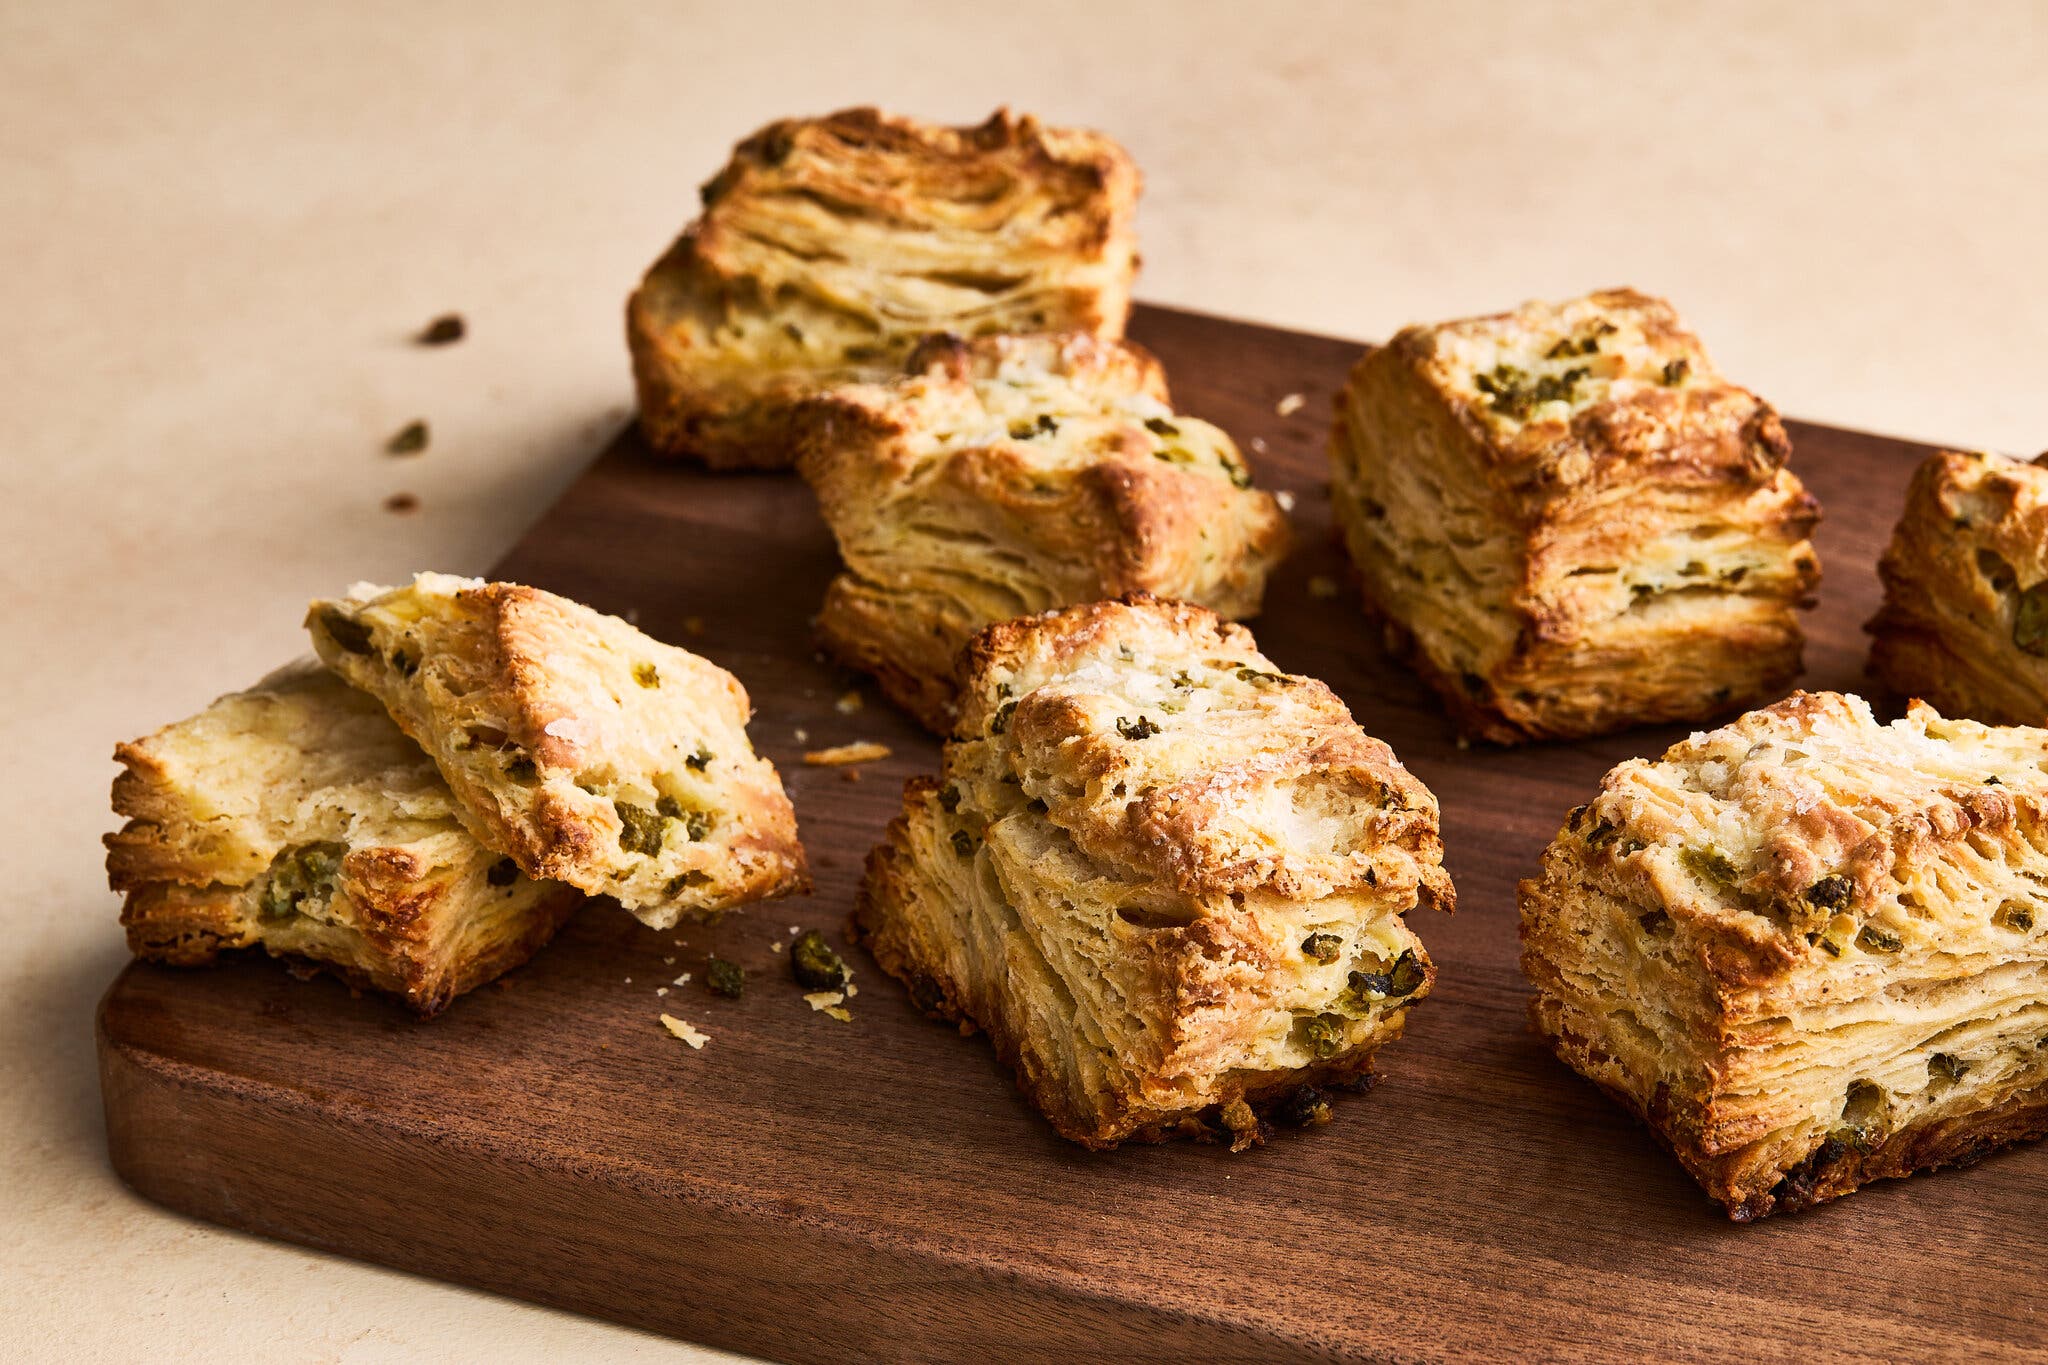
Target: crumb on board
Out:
[694,1037]
[1290,405]
[1285,498]
[839,755]
[850,775]
[1322,586]
[803,736]
[661,990]
[402,503]
[849,702]
[682,980]
[775,947]
[830,1002]
[1258,445]
[795,929]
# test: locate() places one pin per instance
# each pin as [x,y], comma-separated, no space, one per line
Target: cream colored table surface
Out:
[218,224]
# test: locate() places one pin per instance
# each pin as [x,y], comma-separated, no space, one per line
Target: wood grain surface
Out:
[811,1190]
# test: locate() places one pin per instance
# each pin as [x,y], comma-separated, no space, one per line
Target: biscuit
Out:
[1010,475]
[296,817]
[827,247]
[576,745]
[1166,879]
[1570,523]
[1808,949]
[1964,625]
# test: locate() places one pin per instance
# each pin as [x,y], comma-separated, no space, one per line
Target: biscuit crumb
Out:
[682,980]
[1258,445]
[775,947]
[409,439]
[696,1038]
[803,736]
[1285,498]
[863,751]
[661,990]
[445,330]
[830,1002]
[1322,586]
[848,703]
[795,929]
[1290,405]
[402,503]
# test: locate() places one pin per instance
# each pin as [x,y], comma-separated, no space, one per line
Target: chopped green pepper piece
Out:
[814,965]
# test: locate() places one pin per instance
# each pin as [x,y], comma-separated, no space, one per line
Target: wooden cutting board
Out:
[812,1190]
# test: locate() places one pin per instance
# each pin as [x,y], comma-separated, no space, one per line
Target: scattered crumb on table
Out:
[839,755]
[1290,405]
[696,1038]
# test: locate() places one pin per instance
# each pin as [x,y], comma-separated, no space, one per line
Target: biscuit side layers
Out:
[1809,950]
[1165,878]
[1570,523]
[296,817]
[1964,624]
[1011,475]
[575,744]
[828,247]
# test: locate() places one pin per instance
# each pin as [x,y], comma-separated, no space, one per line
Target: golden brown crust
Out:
[1014,474]
[296,818]
[581,748]
[1151,959]
[1808,949]
[1570,522]
[828,246]
[1964,624]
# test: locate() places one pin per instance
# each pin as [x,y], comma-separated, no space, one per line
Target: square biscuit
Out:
[1166,879]
[1570,523]
[1964,624]
[583,749]
[828,246]
[296,817]
[1808,949]
[1010,475]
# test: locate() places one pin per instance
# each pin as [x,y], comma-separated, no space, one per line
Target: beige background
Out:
[219,222]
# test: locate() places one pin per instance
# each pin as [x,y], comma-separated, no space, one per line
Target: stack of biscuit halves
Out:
[421,809]
[1166,877]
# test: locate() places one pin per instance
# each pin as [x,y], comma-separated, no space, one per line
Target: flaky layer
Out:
[1807,947]
[296,817]
[1006,476]
[1964,624]
[1170,909]
[1570,521]
[576,745]
[828,247]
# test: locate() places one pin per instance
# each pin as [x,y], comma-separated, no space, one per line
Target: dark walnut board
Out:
[811,1190]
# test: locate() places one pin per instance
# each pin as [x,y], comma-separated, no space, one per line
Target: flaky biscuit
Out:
[1167,879]
[575,744]
[296,817]
[1010,475]
[1808,949]
[1964,624]
[828,246]
[1570,522]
